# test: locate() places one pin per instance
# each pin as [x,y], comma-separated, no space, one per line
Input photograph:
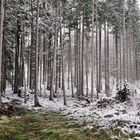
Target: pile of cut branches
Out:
[9,109]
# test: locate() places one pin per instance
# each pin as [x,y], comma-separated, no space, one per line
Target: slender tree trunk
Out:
[32,54]
[107,87]
[63,75]
[21,58]
[69,65]
[100,54]
[36,103]
[1,40]
[4,69]
[78,62]
[41,61]
[16,78]
[82,57]
[87,62]
[28,69]
[57,73]
[92,52]
[106,60]
[76,59]
[127,55]
[71,68]
[120,43]
[97,53]
[25,84]
[13,55]
[54,55]
[134,56]
[44,59]
[49,66]
[60,71]
[62,55]
[68,68]
[124,43]
[117,65]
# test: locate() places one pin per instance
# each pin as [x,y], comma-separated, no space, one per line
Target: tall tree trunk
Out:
[60,71]
[92,52]
[21,58]
[76,58]
[32,53]
[82,57]
[100,54]
[62,55]
[54,54]
[16,78]
[41,61]
[106,60]
[87,61]
[78,62]
[36,103]
[63,75]
[49,57]
[120,43]
[71,68]
[45,54]
[28,68]
[127,55]
[57,73]
[97,53]
[124,43]
[4,69]
[117,64]
[1,40]
[107,87]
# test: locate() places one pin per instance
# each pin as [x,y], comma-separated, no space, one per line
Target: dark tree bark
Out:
[17,70]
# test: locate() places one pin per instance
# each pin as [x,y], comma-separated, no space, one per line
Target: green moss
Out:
[50,135]
[1,136]
[86,131]
[118,132]
[63,134]
[132,135]
[74,125]
[50,126]
[21,137]
[70,136]
[103,135]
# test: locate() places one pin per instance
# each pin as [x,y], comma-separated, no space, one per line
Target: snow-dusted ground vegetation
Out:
[106,112]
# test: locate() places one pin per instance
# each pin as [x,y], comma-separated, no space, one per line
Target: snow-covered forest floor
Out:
[104,113]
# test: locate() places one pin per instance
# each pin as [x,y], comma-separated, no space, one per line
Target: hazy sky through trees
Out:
[139,3]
